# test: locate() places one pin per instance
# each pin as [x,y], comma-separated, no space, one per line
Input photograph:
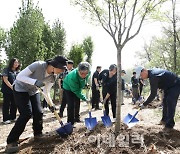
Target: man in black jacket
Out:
[109,88]
[135,90]
[170,84]
[95,88]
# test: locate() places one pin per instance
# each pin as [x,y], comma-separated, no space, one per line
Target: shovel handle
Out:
[134,115]
[50,103]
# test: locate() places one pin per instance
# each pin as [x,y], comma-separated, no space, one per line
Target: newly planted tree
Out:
[122,20]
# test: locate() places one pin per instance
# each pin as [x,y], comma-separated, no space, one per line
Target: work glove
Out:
[52,108]
[39,84]
[141,106]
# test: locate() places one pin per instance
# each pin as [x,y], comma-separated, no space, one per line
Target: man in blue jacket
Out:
[170,84]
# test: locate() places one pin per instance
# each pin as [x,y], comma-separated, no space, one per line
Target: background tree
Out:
[164,51]
[76,54]
[122,20]
[2,37]
[25,37]
[160,52]
[59,38]
[88,48]
[47,38]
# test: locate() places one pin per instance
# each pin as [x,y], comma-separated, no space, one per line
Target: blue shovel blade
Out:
[66,129]
[90,123]
[106,121]
[130,119]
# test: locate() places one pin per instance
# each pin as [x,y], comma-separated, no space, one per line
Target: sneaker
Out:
[12,148]
[6,122]
[113,120]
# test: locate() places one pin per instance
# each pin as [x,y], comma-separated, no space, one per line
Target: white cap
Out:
[138,71]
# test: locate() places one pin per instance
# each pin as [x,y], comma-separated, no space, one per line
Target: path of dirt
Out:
[146,137]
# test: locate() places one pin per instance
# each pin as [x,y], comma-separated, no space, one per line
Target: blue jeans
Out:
[28,106]
[169,105]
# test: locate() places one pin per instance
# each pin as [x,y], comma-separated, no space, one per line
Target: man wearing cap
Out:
[27,96]
[95,88]
[109,88]
[170,84]
[61,78]
[73,84]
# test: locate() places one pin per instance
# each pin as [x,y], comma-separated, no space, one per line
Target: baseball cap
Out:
[138,71]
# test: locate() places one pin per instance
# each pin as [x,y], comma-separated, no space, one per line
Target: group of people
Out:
[23,88]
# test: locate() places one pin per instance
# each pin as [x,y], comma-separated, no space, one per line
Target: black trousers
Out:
[63,104]
[28,106]
[73,107]
[140,89]
[169,105]
[95,98]
[9,108]
[113,103]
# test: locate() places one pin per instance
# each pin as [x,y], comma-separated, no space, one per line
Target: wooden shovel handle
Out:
[50,103]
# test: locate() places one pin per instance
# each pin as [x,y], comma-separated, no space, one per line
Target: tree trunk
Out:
[174,34]
[119,92]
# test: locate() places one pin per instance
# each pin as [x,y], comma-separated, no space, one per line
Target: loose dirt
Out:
[145,137]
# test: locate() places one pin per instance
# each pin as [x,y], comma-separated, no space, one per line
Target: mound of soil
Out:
[145,137]
[104,140]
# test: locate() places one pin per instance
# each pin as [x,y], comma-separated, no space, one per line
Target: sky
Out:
[78,28]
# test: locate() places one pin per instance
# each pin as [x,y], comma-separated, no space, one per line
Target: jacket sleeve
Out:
[154,88]
[23,76]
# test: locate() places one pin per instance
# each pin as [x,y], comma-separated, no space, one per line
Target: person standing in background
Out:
[95,89]
[135,89]
[61,78]
[122,87]
[9,74]
[141,84]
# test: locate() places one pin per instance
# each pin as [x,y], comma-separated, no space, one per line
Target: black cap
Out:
[59,62]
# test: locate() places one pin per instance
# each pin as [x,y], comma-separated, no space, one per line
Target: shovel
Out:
[130,120]
[106,119]
[90,122]
[64,130]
